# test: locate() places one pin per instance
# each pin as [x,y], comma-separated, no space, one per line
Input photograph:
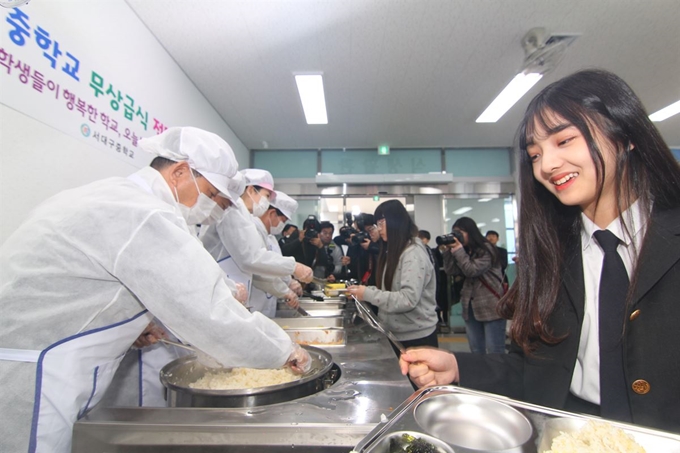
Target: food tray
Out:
[287,313]
[308,322]
[318,337]
[458,420]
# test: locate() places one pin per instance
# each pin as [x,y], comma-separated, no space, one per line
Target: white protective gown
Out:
[238,248]
[79,281]
[266,290]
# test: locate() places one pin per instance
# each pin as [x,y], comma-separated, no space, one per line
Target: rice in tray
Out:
[595,437]
[243,378]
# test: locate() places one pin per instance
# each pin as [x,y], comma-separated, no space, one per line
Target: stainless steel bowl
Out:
[177,375]
[474,423]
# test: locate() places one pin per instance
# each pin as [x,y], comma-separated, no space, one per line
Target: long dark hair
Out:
[477,245]
[400,233]
[645,169]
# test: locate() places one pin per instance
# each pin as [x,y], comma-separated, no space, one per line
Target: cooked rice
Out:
[595,437]
[243,378]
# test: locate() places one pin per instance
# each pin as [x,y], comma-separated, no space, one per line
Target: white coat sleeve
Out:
[271,285]
[182,285]
[241,239]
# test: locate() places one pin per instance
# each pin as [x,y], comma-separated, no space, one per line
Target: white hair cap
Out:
[285,204]
[237,184]
[204,151]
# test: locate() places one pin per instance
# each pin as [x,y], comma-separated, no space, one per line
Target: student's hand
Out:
[296,287]
[455,246]
[345,260]
[151,334]
[365,244]
[428,367]
[316,242]
[357,291]
[303,273]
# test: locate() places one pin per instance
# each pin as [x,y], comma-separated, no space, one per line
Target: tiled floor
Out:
[455,342]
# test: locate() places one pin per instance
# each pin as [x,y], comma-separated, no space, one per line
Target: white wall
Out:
[42,148]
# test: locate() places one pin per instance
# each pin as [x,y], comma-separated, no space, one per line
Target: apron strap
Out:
[19,355]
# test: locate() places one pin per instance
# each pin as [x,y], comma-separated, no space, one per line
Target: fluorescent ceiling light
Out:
[484,200]
[510,94]
[310,88]
[462,210]
[481,224]
[495,220]
[666,112]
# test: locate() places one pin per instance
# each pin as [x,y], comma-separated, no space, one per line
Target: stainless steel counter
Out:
[333,420]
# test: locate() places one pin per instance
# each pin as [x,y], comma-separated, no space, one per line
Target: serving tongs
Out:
[368,316]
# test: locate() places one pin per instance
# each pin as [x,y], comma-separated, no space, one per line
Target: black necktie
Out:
[612,297]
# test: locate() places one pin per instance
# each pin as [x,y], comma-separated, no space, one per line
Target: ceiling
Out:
[414,73]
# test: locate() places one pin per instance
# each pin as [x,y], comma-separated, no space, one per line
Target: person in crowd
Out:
[289,231]
[405,282]
[594,306]
[364,249]
[84,275]
[265,289]
[492,236]
[237,246]
[337,261]
[476,259]
[442,283]
[307,247]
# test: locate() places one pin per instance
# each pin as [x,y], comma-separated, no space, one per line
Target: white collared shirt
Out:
[585,382]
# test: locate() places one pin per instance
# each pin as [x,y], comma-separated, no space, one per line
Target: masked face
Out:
[205,211]
[277,229]
[260,206]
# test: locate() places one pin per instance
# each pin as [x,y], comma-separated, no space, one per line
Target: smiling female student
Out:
[595,308]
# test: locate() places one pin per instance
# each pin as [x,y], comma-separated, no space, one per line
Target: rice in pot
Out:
[244,378]
[595,438]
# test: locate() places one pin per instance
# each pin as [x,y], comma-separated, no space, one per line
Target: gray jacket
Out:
[483,301]
[409,309]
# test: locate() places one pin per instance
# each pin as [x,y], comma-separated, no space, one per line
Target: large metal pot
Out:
[178,374]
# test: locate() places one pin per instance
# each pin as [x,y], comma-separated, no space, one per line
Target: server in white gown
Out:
[265,291]
[82,277]
[236,245]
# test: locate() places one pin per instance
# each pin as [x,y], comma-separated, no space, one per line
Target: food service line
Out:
[334,420]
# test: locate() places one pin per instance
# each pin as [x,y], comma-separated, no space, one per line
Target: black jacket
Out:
[651,339]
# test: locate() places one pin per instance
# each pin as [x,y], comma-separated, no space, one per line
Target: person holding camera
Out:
[307,247]
[364,247]
[406,285]
[472,255]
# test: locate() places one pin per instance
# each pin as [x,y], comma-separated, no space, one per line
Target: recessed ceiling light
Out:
[512,93]
[666,112]
[481,224]
[495,220]
[310,88]
[462,210]
[484,200]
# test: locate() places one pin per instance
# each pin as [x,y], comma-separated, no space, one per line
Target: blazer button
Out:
[634,315]
[641,387]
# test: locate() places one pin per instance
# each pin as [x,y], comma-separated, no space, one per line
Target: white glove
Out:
[295,286]
[241,293]
[292,300]
[303,273]
[299,361]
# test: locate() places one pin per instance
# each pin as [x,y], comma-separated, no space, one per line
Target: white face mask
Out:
[276,230]
[205,211]
[260,207]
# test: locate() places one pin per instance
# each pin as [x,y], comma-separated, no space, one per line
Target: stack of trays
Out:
[456,420]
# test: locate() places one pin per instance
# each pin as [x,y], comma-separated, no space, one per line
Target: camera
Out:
[347,231]
[447,239]
[359,238]
[311,234]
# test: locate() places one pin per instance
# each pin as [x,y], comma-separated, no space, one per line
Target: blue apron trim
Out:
[32,444]
[140,384]
[94,389]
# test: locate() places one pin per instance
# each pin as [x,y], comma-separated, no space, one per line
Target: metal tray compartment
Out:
[283,313]
[308,322]
[469,421]
[318,337]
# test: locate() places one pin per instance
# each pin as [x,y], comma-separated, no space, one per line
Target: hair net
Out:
[204,151]
[257,177]
[285,204]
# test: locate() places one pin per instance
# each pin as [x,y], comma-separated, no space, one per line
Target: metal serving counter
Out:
[333,420]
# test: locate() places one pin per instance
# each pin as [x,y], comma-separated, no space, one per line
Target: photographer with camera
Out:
[307,247]
[472,255]
[364,249]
